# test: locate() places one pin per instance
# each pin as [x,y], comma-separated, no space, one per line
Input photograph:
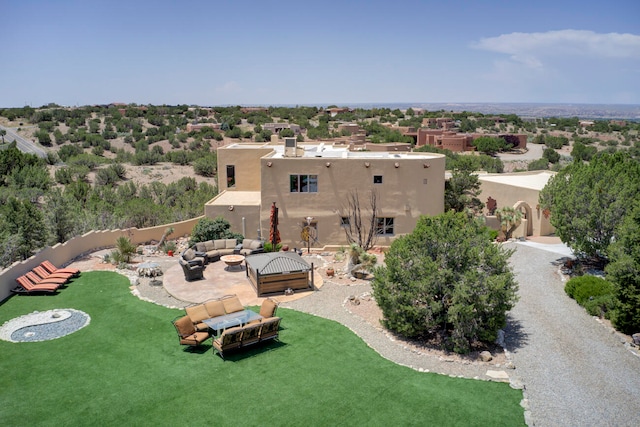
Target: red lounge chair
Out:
[28,287]
[37,280]
[47,265]
[44,274]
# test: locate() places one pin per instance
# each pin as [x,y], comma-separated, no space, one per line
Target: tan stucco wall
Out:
[508,195]
[247,166]
[61,254]
[241,209]
[402,195]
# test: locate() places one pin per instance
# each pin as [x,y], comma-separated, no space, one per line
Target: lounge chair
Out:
[37,280]
[47,265]
[187,333]
[26,286]
[229,340]
[44,274]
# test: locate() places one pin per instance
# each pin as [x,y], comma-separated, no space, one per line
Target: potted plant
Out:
[331,272]
[169,248]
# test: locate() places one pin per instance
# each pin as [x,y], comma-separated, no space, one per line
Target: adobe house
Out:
[315,180]
[520,190]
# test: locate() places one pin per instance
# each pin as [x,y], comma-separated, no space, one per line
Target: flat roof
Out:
[531,180]
[238,198]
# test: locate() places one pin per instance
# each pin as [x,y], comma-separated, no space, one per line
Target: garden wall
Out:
[63,253]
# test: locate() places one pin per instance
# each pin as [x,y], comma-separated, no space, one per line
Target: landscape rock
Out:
[486,356]
[636,338]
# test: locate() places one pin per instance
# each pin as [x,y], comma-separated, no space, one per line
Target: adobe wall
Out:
[62,253]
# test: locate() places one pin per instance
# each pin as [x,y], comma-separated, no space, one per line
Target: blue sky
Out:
[323,52]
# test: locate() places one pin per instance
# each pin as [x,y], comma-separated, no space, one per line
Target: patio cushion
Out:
[255,244]
[189,254]
[215,308]
[201,247]
[268,308]
[209,245]
[230,243]
[232,304]
[197,313]
[219,244]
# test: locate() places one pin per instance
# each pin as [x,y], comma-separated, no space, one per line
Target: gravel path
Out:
[577,372]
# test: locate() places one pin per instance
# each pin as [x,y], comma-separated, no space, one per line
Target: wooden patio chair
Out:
[187,333]
[26,286]
[47,265]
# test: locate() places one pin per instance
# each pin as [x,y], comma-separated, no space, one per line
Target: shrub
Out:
[124,250]
[268,247]
[587,287]
[212,229]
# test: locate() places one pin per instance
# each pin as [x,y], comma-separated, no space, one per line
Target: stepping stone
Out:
[498,375]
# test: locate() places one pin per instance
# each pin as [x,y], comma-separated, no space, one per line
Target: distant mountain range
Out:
[583,111]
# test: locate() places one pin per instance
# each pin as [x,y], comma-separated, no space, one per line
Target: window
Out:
[231,176]
[303,183]
[384,226]
[377,179]
[345,221]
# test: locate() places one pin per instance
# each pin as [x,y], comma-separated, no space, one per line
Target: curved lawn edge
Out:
[127,367]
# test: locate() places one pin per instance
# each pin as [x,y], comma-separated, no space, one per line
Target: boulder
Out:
[486,356]
[636,339]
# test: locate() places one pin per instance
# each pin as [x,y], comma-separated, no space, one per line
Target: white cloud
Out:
[528,48]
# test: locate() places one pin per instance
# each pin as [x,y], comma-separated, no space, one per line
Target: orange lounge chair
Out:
[37,280]
[28,287]
[44,274]
[47,265]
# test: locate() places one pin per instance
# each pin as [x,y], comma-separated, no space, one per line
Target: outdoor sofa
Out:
[250,334]
[211,309]
[212,250]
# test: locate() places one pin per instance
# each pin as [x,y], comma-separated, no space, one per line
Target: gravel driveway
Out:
[576,371]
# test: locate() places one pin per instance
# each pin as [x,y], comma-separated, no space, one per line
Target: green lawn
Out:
[126,368]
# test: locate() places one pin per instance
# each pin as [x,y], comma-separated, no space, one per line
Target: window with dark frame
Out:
[303,183]
[377,179]
[231,176]
[345,221]
[384,226]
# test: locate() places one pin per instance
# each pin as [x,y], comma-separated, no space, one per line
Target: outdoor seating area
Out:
[45,278]
[195,259]
[233,324]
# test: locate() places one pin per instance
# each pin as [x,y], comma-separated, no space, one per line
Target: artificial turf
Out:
[127,368]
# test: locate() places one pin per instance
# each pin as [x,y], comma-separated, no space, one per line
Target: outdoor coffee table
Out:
[232,260]
[239,318]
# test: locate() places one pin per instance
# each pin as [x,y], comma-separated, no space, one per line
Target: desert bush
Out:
[124,250]
[212,229]
[593,293]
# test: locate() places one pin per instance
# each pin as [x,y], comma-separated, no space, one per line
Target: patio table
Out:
[239,318]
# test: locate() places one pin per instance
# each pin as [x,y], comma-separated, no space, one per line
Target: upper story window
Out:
[377,179]
[231,176]
[345,221]
[384,226]
[303,183]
